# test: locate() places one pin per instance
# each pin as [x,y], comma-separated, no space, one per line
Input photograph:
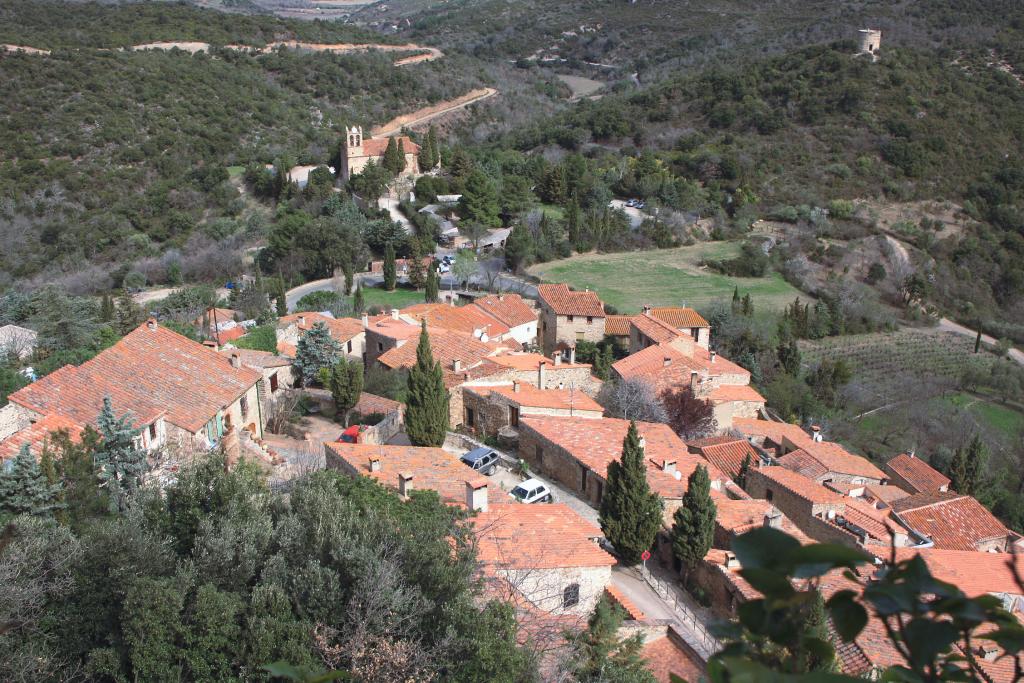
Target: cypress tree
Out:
[347,268]
[975,458]
[316,350]
[390,274]
[741,477]
[433,286]
[426,409]
[693,525]
[23,487]
[630,513]
[358,305]
[394,160]
[345,380]
[281,305]
[813,633]
[433,153]
[957,472]
[572,222]
[121,463]
[736,300]
[747,305]
[107,311]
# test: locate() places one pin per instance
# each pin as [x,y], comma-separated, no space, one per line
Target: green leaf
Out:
[927,639]
[772,584]
[762,548]
[302,675]
[848,616]
[818,559]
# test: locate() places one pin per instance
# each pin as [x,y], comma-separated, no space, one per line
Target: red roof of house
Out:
[652,328]
[531,361]
[466,319]
[37,434]
[773,431]
[375,147]
[679,318]
[369,404]
[596,443]
[564,301]
[740,516]
[799,485]
[510,309]
[666,367]
[229,335]
[151,371]
[257,360]
[341,329]
[517,536]
[726,393]
[431,468]
[446,347]
[953,521]
[665,658]
[617,325]
[972,572]
[530,396]
[917,473]
[728,455]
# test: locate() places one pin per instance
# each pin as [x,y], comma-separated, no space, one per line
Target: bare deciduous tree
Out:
[632,399]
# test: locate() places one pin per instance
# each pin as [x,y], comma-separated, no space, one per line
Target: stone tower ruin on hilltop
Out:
[870,41]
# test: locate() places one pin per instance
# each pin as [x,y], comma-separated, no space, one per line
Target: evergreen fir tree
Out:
[316,350]
[107,311]
[23,487]
[426,408]
[813,633]
[84,500]
[128,315]
[600,655]
[630,513]
[741,477]
[958,471]
[693,525]
[747,305]
[345,380]
[390,274]
[975,459]
[358,304]
[281,305]
[121,463]
[736,300]
[433,286]
[394,160]
[417,273]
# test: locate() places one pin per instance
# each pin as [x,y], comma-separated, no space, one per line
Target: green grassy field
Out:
[665,277]
[1002,418]
[400,298]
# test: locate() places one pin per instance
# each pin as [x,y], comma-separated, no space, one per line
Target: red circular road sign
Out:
[645,555]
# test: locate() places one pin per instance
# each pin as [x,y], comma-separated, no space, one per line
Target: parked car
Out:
[532,491]
[482,460]
[444,268]
[351,435]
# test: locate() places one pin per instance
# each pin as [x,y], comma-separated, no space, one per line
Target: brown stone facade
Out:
[567,329]
[487,413]
[556,462]
[797,508]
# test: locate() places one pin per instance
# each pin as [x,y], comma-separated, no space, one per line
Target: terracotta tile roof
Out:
[516,536]
[876,523]
[804,463]
[37,434]
[531,361]
[735,392]
[972,572]
[230,334]
[532,397]
[830,457]
[371,403]
[257,359]
[666,367]
[799,485]
[218,316]
[432,468]
[665,658]
[446,347]
[728,455]
[466,319]
[657,331]
[951,520]
[596,443]
[617,325]
[341,329]
[918,474]
[742,589]
[388,327]
[622,600]
[564,301]
[286,349]
[885,493]
[737,517]
[773,431]
[149,372]
[679,318]
[481,370]
[510,309]
[375,147]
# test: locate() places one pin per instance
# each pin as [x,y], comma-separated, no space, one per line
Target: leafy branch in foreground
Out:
[931,626]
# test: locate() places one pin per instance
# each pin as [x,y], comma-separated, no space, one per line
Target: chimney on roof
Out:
[451,301]
[151,323]
[561,385]
[236,360]
[668,466]
[911,454]
[667,361]
[366,320]
[647,309]
[210,343]
[557,357]
[374,463]
[713,355]
[394,314]
[501,297]
[693,381]
[773,518]
[816,433]
[572,354]
[457,365]
[302,321]
[515,386]
[404,484]
[988,651]
[643,443]
[476,495]
[541,374]
[730,560]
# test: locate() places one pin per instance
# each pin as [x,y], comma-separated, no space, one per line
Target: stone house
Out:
[546,373]
[176,390]
[357,152]
[348,332]
[914,475]
[276,372]
[490,409]
[512,311]
[576,453]
[387,332]
[685,320]
[567,317]
[953,521]
[37,434]
[827,462]
[548,554]
[728,453]
[470,320]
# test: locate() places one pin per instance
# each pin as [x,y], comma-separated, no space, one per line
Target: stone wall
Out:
[555,462]
[545,588]
[799,510]
[377,345]
[559,328]
[14,418]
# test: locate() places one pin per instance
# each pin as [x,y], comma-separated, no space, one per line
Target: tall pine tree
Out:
[433,285]
[24,489]
[630,513]
[390,272]
[358,303]
[345,380]
[693,525]
[121,462]
[315,351]
[426,408]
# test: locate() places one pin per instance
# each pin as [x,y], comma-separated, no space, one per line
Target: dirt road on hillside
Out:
[426,114]
[950,326]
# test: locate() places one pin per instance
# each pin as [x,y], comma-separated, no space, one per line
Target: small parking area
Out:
[506,480]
